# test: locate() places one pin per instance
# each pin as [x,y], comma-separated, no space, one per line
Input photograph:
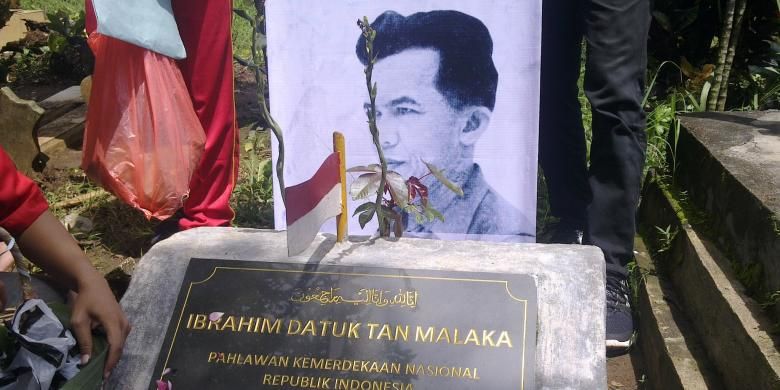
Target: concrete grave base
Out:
[570,351]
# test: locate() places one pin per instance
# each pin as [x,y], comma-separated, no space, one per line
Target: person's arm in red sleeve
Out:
[21,201]
[42,238]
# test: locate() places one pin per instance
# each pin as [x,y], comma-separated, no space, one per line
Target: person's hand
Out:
[94,305]
[6,258]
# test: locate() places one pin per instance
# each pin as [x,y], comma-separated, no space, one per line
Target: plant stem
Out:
[258,64]
[370,34]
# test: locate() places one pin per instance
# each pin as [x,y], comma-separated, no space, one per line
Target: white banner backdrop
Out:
[317,85]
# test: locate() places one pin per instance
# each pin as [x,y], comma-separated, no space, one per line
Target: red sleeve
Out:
[21,201]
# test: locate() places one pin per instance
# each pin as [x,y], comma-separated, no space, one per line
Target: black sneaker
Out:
[619,320]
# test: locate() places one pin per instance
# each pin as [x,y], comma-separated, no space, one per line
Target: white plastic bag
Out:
[45,348]
[145,23]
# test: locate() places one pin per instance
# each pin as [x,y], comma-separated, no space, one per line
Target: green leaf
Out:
[364,207]
[436,213]
[57,43]
[365,217]
[428,214]
[365,185]
[91,376]
[439,175]
[705,92]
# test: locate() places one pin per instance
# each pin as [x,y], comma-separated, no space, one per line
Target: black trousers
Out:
[601,198]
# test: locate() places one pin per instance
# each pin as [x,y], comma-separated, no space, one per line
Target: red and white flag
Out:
[311,203]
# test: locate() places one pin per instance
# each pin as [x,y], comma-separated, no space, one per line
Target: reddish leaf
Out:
[416,187]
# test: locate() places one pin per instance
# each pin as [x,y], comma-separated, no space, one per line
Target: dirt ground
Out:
[121,235]
[625,372]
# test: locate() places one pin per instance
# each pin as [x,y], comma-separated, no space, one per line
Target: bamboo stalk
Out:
[723,44]
[737,29]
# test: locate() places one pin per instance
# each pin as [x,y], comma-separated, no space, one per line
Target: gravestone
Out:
[569,283]
[19,118]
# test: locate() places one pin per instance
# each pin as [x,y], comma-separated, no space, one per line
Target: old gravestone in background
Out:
[569,328]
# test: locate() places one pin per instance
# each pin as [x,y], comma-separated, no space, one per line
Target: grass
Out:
[71,7]
[118,229]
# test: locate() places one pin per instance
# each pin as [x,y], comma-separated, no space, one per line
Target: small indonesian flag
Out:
[311,203]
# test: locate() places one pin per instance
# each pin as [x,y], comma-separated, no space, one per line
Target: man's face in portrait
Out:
[415,120]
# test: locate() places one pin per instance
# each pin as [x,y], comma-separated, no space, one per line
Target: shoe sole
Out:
[617,347]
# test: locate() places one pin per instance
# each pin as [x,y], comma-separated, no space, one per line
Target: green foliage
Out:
[252,198]
[58,51]
[665,238]
[689,31]
[587,115]
[242,30]
[255,18]
[636,279]
[750,275]
[70,7]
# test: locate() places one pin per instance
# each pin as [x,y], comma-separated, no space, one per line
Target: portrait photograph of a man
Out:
[457,87]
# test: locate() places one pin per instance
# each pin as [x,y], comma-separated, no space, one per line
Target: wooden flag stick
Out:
[338,146]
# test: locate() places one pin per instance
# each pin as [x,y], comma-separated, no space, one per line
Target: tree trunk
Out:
[723,46]
[724,87]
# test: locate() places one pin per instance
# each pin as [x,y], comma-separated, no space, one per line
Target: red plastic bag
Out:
[143,139]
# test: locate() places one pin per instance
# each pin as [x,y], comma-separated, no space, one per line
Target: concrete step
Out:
[729,165]
[674,357]
[732,327]
[67,131]
[60,104]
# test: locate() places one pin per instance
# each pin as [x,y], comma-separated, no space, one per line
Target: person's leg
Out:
[616,33]
[205,26]
[561,135]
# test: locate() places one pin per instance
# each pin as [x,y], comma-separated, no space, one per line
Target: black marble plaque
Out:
[267,325]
